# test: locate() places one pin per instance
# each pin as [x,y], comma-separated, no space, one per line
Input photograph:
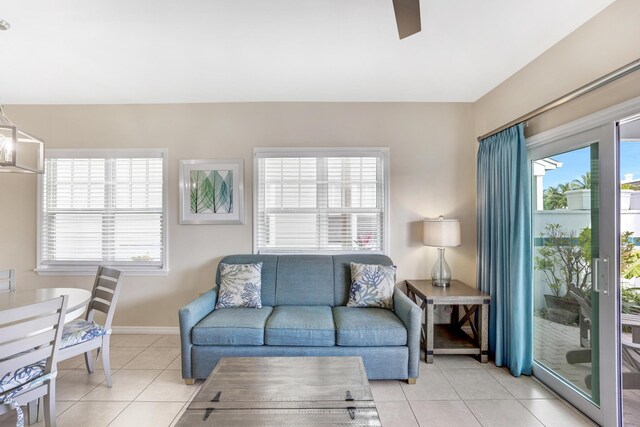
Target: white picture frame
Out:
[211,191]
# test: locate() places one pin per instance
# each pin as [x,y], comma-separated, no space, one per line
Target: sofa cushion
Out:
[232,326]
[300,326]
[304,280]
[240,286]
[368,327]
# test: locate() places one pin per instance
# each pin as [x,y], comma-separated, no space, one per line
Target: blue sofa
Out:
[303,313]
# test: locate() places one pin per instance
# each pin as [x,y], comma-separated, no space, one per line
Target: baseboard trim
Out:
[162,330]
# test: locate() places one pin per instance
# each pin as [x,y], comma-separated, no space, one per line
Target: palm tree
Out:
[584,183]
[563,188]
[554,198]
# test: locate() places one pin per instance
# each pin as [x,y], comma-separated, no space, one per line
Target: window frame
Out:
[382,152]
[83,269]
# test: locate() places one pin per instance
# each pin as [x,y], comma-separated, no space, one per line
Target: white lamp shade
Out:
[441,232]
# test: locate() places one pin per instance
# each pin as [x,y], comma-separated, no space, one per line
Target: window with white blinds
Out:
[320,201]
[103,207]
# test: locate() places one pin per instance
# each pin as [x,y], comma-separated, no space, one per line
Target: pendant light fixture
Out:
[19,151]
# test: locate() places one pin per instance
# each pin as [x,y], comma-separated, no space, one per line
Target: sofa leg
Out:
[189,381]
[411,380]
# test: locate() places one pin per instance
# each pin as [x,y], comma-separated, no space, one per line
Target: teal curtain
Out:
[504,247]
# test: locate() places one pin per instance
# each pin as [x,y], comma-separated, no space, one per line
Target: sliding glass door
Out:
[630,268]
[576,229]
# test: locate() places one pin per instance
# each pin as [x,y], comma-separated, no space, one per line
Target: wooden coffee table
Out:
[284,391]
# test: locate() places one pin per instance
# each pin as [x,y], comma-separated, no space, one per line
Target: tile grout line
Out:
[511,394]
[113,371]
[181,411]
[134,357]
[435,365]
[119,413]
[448,382]
[134,399]
[82,367]
[71,406]
[461,399]
[534,415]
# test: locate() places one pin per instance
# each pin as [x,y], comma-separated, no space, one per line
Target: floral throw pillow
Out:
[240,285]
[372,285]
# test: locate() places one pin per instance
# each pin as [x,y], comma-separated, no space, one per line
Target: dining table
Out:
[76,303]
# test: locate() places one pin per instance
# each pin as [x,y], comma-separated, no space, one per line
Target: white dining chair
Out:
[82,336]
[29,343]
[7,280]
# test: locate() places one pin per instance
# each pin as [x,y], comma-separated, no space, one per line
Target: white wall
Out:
[432,173]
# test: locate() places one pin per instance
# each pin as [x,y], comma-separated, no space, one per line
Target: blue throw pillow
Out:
[372,285]
[240,286]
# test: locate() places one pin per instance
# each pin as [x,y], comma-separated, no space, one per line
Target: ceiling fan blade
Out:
[407,17]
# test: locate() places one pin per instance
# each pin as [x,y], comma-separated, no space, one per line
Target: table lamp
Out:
[441,233]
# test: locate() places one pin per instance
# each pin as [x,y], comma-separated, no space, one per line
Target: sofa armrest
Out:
[189,316]
[411,316]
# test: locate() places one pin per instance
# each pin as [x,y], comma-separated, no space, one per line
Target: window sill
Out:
[81,271]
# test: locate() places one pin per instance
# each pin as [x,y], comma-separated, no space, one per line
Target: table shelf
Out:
[448,340]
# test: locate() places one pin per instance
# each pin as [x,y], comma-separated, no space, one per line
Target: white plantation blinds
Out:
[103,208]
[320,201]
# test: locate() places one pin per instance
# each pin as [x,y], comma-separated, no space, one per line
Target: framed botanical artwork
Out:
[212,191]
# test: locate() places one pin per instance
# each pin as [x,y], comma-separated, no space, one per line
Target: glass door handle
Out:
[601,275]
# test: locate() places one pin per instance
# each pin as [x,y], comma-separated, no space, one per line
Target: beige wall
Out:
[606,42]
[432,173]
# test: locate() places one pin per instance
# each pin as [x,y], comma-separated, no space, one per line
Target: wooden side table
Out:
[453,338]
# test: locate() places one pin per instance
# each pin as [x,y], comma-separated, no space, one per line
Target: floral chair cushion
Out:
[19,381]
[21,376]
[372,285]
[79,331]
[240,286]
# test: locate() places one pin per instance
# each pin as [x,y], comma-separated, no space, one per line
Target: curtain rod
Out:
[606,79]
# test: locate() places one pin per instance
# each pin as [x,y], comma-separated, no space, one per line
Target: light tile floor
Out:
[552,341]
[456,390]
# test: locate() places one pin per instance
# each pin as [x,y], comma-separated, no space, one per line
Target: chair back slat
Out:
[7,280]
[25,343]
[100,306]
[110,272]
[27,311]
[106,290]
[9,333]
[33,333]
[584,304]
[106,282]
[105,295]
[26,359]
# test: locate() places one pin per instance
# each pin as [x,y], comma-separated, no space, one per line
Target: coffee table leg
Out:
[429,332]
[484,333]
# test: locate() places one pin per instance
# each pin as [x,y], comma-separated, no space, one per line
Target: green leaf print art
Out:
[211,191]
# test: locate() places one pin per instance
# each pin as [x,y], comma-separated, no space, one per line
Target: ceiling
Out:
[171,51]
